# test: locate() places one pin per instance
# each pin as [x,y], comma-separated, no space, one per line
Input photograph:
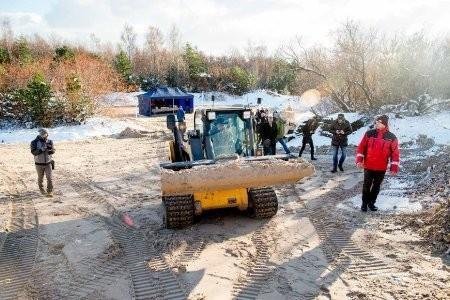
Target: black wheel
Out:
[263,203]
[178,211]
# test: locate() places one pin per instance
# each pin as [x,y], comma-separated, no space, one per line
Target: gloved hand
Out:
[394,169]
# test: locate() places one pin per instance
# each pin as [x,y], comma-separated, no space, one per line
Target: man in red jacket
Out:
[376,149]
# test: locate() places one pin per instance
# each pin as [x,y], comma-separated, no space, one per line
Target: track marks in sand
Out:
[19,246]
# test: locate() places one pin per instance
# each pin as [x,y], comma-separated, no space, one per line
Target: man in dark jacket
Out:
[376,149]
[340,129]
[42,149]
[308,130]
[268,132]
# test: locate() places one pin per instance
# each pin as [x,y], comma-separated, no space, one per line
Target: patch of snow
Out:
[97,126]
[385,203]
[122,99]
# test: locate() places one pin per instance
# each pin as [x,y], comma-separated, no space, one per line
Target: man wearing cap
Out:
[42,149]
[340,129]
[376,149]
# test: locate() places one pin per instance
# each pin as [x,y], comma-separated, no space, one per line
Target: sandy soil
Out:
[311,249]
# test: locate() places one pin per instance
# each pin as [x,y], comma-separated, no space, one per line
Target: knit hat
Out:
[384,119]
[43,131]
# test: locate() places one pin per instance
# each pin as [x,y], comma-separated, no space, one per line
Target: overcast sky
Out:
[216,26]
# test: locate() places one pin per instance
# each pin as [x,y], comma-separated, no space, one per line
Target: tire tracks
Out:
[250,284]
[19,246]
[151,277]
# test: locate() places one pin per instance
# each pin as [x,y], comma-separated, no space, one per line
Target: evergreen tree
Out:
[123,65]
[195,62]
[283,75]
[37,96]
[22,52]
[241,80]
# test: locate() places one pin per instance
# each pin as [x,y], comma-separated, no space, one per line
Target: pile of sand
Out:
[436,227]
[129,133]
[239,173]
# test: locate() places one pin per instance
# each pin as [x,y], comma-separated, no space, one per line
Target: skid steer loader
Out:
[221,135]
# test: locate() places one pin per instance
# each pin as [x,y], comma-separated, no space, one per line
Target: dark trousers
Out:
[335,156]
[307,139]
[371,186]
[270,148]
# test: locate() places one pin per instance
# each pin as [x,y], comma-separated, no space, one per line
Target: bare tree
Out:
[128,38]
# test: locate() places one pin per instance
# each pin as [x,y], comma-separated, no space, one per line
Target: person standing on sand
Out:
[340,129]
[376,149]
[42,148]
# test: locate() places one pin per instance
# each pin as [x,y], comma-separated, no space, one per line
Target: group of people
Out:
[270,129]
[377,149]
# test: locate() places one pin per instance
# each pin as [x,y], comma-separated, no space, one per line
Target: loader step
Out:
[178,211]
[263,202]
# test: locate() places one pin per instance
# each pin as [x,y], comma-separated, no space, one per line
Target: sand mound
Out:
[436,227]
[237,173]
[129,133]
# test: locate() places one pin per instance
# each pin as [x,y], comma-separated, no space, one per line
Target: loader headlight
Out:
[247,114]
[211,115]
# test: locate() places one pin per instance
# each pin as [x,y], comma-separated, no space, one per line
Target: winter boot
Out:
[364,207]
[341,168]
[333,171]
[50,194]
[373,207]
[42,191]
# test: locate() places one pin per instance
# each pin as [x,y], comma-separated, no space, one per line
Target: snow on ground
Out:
[385,202]
[391,199]
[122,99]
[436,125]
[97,126]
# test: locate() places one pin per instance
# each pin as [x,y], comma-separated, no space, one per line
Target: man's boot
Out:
[364,207]
[341,168]
[42,191]
[313,158]
[333,171]
[372,207]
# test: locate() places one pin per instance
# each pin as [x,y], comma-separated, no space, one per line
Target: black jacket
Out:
[268,132]
[340,139]
[309,128]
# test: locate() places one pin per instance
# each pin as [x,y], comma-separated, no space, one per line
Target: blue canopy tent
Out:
[163,100]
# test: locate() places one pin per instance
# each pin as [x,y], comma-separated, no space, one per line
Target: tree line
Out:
[47,81]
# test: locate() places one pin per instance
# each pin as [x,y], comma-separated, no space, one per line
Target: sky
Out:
[217,26]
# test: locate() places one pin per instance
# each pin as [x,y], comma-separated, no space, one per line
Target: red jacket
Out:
[376,149]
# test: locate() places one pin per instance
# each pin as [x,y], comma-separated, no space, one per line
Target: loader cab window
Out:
[228,133]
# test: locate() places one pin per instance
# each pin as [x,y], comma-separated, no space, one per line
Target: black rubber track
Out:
[263,203]
[178,211]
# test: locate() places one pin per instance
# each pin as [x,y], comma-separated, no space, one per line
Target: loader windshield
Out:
[229,134]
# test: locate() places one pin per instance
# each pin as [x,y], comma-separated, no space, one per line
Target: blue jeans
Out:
[335,156]
[285,147]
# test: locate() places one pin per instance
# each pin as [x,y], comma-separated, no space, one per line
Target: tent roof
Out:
[166,93]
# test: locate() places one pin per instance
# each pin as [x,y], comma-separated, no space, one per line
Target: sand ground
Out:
[101,236]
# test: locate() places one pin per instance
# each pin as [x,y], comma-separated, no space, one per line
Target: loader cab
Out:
[225,132]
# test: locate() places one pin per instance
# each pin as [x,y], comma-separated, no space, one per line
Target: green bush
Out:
[21,51]
[241,81]
[4,56]
[64,53]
